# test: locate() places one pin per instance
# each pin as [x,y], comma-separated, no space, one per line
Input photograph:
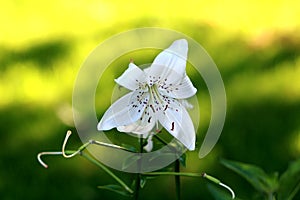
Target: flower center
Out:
[155,95]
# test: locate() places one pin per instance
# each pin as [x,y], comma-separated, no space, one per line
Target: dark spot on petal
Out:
[166,107]
[172,126]
[152,107]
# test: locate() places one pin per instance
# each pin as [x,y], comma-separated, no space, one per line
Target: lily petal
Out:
[132,77]
[126,110]
[176,120]
[143,126]
[170,64]
[183,90]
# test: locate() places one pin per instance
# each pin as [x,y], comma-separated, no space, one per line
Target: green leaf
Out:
[131,160]
[115,188]
[289,182]
[143,181]
[158,155]
[254,175]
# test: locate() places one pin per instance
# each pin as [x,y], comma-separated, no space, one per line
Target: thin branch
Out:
[80,151]
[188,174]
[228,188]
[217,181]
[110,145]
[64,146]
[104,168]
[177,179]
[39,157]
[204,175]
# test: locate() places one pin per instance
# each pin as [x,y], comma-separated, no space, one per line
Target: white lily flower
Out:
[155,98]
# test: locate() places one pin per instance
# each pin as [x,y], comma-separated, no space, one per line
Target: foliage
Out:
[271,186]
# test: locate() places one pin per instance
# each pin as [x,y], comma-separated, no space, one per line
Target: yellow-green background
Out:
[255,44]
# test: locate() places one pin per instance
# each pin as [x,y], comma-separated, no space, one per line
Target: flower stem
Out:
[218,182]
[177,179]
[104,168]
[79,151]
[204,175]
[138,175]
[188,174]
[137,186]
[110,145]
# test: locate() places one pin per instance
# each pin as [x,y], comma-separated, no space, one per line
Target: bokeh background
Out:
[255,44]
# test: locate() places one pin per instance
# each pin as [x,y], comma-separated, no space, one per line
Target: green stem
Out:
[104,168]
[110,145]
[270,196]
[160,139]
[188,174]
[79,151]
[137,186]
[177,179]
[173,149]
[138,175]
[197,175]
[211,178]
[294,192]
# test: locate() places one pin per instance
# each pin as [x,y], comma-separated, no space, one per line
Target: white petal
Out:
[136,128]
[124,111]
[143,126]
[183,90]
[170,64]
[132,77]
[186,104]
[176,120]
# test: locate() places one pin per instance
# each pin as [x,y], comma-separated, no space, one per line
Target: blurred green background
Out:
[255,44]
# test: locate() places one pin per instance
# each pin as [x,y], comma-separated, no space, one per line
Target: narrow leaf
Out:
[254,175]
[115,188]
[289,182]
[143,181]
[157,155]
[130,161]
